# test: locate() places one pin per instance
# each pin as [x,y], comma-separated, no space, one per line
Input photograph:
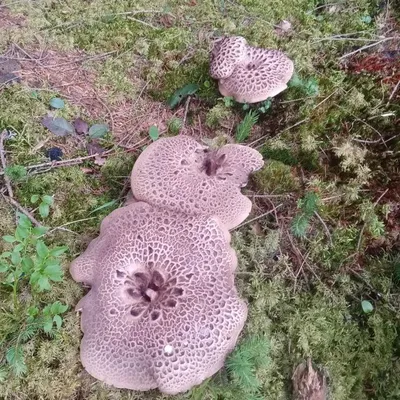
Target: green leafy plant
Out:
[30,324]
[239,380]
[181,94]
[45,203]
[262,107]
[265,106]
[30,259]
[307,86]
[228,101]
[29,267]
[367,306]
[243,130]
[154,133]
[308,206]
[243,363]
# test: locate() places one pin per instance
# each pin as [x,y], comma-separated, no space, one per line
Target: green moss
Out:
[7,220]
[303,313]
[166,82]
[116,171]
[219,113]
[325,323]
[276,177]
[75,194]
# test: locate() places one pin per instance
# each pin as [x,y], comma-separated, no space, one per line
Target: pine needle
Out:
[243,363]
[243,130]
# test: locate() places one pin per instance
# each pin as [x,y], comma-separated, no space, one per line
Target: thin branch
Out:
[4,164]
[142,22]
[73,161]
[268,196]
[278,134]
[107,108]
[326,98]
[69,223]
[394,91]
[257,218]
[127,14]
[325,227]
[22,209]
[376,141]
[344,37]
[82,59]
[367,47]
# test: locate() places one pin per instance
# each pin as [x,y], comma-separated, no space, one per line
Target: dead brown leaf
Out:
[308,384]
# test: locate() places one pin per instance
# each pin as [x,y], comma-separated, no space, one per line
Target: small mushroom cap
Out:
[163,311]
[180,174]
[246,73]
[264,74]
[225,54]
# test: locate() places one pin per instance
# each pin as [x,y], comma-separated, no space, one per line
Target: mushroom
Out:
[163,311]
[179,174]
[246,73]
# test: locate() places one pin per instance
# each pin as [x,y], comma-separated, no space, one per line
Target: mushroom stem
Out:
[152,294]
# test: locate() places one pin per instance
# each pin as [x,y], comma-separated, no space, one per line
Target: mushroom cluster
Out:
[246,73]
[163,311]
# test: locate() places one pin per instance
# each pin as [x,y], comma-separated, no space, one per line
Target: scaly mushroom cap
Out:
[225,54]
[163,311]
[256,75]
[180,174]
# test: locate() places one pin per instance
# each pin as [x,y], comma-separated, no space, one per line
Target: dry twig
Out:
[367,47]
[4,164]
[257,218]
[22,210]
[325,227]
[394,91]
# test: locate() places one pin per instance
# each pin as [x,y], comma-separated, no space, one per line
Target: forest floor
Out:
[319,261]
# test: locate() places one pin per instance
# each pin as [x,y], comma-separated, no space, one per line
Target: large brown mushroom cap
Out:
[162,311]
[256,75]
[179,174]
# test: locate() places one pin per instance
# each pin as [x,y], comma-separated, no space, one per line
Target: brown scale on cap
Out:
[249,74]
[163,311]
[179,174]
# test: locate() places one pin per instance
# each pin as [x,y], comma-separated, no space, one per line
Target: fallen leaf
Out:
[57,103]
[98,130]
[367,306]
[81,127]
[257,229]
[181,93]
[8,78]
[58,126]
[39,145]
[166,20]
[8,66]
[283,27]
[87,171]
[153,133]
[308,383]
[98,160]
[94,148]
